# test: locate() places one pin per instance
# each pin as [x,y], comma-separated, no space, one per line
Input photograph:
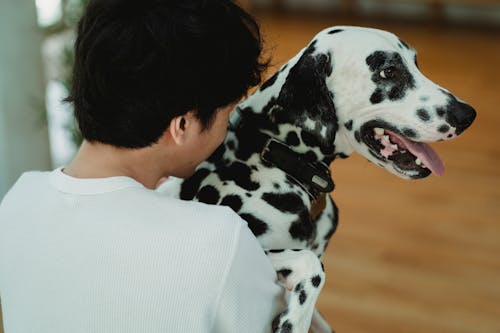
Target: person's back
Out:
[92,247]
[108,255]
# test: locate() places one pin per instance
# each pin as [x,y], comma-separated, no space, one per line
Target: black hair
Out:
[140,63]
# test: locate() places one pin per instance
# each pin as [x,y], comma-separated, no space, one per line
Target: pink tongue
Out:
[423,151]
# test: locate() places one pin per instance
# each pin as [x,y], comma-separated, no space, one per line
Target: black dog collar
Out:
[314,178]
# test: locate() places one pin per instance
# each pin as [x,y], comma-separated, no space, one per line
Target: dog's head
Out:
[386,108]
[360,89]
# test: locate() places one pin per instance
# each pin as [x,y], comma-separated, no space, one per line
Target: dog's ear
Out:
[306,101]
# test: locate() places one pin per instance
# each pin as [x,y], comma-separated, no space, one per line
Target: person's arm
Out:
[250,298]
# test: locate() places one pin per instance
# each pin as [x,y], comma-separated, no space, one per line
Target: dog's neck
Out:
[296,107]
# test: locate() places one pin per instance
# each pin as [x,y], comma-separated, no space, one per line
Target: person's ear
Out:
[179,127]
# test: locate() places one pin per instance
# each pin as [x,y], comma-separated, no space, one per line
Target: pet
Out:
[350,89]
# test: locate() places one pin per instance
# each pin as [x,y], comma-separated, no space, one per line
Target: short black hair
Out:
[140,63]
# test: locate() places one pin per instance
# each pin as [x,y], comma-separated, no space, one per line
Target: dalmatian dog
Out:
[350,89]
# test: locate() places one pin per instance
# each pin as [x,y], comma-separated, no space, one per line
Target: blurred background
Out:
[408,256]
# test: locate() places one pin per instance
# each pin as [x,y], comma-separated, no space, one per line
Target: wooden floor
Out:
[418,256]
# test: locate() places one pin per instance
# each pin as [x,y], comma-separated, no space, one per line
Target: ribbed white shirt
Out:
[108,255]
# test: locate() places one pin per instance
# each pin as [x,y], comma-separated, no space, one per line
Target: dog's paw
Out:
[287,323]
[282,324]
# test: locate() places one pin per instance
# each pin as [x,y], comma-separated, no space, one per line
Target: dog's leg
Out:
[319,324]
[301,272]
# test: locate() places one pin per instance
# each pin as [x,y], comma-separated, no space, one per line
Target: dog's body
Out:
[350,89]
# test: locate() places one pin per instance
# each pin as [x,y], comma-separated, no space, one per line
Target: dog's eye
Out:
[388,73]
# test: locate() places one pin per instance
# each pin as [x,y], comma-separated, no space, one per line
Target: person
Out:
[91,246]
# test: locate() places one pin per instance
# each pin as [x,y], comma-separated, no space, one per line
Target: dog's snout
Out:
[460,115]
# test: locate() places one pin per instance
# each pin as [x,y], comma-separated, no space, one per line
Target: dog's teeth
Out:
[378,131]
[418,161]
[395,147]
[386,138]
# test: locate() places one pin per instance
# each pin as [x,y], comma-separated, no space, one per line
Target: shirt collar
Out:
[69,184]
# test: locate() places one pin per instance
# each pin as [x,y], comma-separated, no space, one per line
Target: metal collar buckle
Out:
[267,149]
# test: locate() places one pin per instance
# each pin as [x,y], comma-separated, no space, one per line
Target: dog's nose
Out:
[460,115]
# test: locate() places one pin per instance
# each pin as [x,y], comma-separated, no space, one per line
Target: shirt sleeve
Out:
[251,297]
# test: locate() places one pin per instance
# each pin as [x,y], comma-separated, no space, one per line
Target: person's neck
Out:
[97,160]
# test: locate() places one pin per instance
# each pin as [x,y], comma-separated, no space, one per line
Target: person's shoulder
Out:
[190,212]
[29,179]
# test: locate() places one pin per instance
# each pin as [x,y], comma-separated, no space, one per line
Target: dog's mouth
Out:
[409,158]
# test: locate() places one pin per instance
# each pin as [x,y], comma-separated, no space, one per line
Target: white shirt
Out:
[109,255]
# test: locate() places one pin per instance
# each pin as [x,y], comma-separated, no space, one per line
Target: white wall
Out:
[24,143]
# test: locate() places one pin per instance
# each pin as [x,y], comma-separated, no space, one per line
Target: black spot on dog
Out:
[348,125]
[302,229]
[335,31]
[329,152]
[357,135]
[424,98]
[285,202]
[239,173]
[286,327]
[415,61]
[341,155]
[423,114]
[405,44]
[316,280]
[299,287]
[231,144]
[408,132]
[292,139]
[257,226]
[217,154]
[395,82]
[334,222]
[277,251]
[190,186]
[440,112]
[233,201]
[395,93]
[276,186]
[450,135]
[251,124]
[302,297]
[284,272]
[248,194]
[269,82]
[275,323]
[284,67]
[208,194]
[309,139]
[444,128]
[377,96]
